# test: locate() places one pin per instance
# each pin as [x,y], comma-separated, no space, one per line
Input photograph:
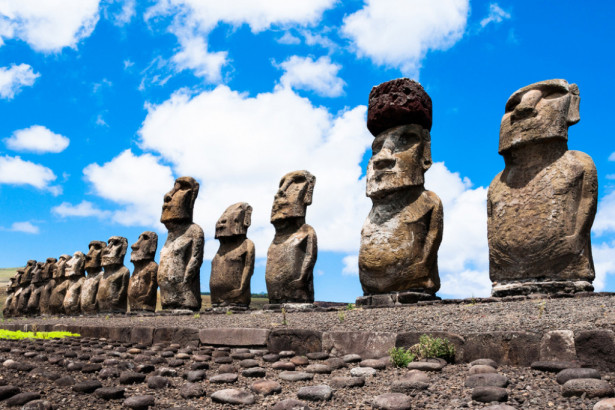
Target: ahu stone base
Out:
[540,287]
[394,299]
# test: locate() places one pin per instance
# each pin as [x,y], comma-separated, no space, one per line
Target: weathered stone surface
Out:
[47,284]
[596,348]
[558,345]
[301,341]
[130,377]
[366,344]
[93,266]
[87,386]
[542,206]
[605,404]
[507,348]
[291,404]
[233,265]
[58,293]
[486,379]
[413,380]
[141,402]
[191,390]
[158,382]
[72,287]
[112,295]
[392,401]
[487,394]
[321,392]
[8,391]
[409,339]
[224,378]
[143,284]
[481,369]
[363,371]
[427,365]
[234,337]
[38,405]
[299,360]
[233,396]
[292,376]
[22,398]
[587,387]
[110,393]
[292,254]
[282,365]
[181,256]
[142,334]
[486,362]
[578,373]
[266,387]
[547,366]
[403,231]
[346,382]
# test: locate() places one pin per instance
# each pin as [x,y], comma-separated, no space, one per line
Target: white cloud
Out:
[15,171]
[48,25]
[612,157]
[351,265]
[37,139]
[604,263]
[120,12]
[26,227]
[83,209]
[238,148]
[496,15]
[138,183]
[605,217]
[14,78]
[195,56]
[100,121]
[399,34]
[463,258]
[288,38]
[320,76]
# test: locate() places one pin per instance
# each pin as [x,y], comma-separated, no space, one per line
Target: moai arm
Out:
[196,255]
[311,252]
[588,201]
[434,235]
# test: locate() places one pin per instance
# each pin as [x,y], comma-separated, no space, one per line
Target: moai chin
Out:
[75,279]
[49,272]
[60,286]
[36,287]
[233,265]
[112,295]
[542,205]
[292,254]
[403,231]
[181,256]
[143,283]
[93,266]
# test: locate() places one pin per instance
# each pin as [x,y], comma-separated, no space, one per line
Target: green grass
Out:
[18,335]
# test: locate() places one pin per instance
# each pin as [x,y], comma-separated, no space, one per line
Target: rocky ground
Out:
[77,373]
[536,314]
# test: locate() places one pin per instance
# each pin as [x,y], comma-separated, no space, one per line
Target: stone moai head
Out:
[37,273]
[235,220]
[399,116]
[179,202]
[293,196]
[49,269]
[61,267]
[145,247]
[539,112]
[11,286]
[27,276]
[115,251]
[18,278]
[94,257]
[75,267]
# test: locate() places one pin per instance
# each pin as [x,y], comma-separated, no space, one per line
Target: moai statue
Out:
[112,295]
[75,278]
[181,256]
[233,265]
[36,285]
[398,257]
[17,289]
[10,292]
[143,284]
[292,254]
[59,286]
[27,276]
[93,267]
[49,271]
[542,205]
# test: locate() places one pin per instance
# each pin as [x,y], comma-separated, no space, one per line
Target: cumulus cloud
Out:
[83,209]
[351,265]
[138,183]
[25,227]
[399,36]
[320,76]
[605,217]
[37,139]
[496,15]
[463,258]
[14,78]
[612,157]
[48,25]
[288,38]
[120,12]
[15,171]
[195,56]
[604,263]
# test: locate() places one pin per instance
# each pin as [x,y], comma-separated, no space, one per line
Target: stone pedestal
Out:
[394,299]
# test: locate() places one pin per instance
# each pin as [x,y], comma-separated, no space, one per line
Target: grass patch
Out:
[435,347]
[19,335]
[401,357]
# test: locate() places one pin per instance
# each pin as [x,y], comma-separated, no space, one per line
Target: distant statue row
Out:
[540,212]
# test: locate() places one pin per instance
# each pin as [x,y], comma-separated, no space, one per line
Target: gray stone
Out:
[271,357]
[367,345]
[191,391]
[88,386]
[596,348]
[247,363]
[487,394]
[362,371]
[413,380]
[486,379]
[266,387]
[299,341]
[588,387]
[234,336]
[577,373]
[158,382]
[425,366]
[315,393]
[65,381]
[318,369]
[352,358]
[38,405]
[291,376]
[291,404]
[233,396]
[21,399]
[554,366]
[558,345]
[392,401]
[374,364]
[141,402]
[335,363]
[109,373]
[480,369]
[8,391]
[299,360]
[486,362]
[110,393]
[129,377]
[283,366]
[224,378]
[605,404]
[317,355]
[196,376]
[346,382]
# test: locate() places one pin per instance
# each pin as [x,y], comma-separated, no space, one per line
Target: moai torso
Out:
[49,271]
[74,283]
[541,207]
[59,286]
[36,287]
[403,231]
[112,295]
[93,266]
[292,254]
[233,265]
[181,256]
[143,284]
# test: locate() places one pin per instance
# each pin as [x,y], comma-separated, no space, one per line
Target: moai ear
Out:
[574,115]
[309,192]
[247,216]
[426,159]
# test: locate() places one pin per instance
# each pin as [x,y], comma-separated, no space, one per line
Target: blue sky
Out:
[104,103]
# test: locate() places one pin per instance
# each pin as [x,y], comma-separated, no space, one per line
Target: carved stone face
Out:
[293,196]
[61,270]
[37,273]
[94,256]
[540,111]
[235,220]
[179,201]
[115,251]
[145,247]
[18,277]
[49,269]
[400,157]
[75,266]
